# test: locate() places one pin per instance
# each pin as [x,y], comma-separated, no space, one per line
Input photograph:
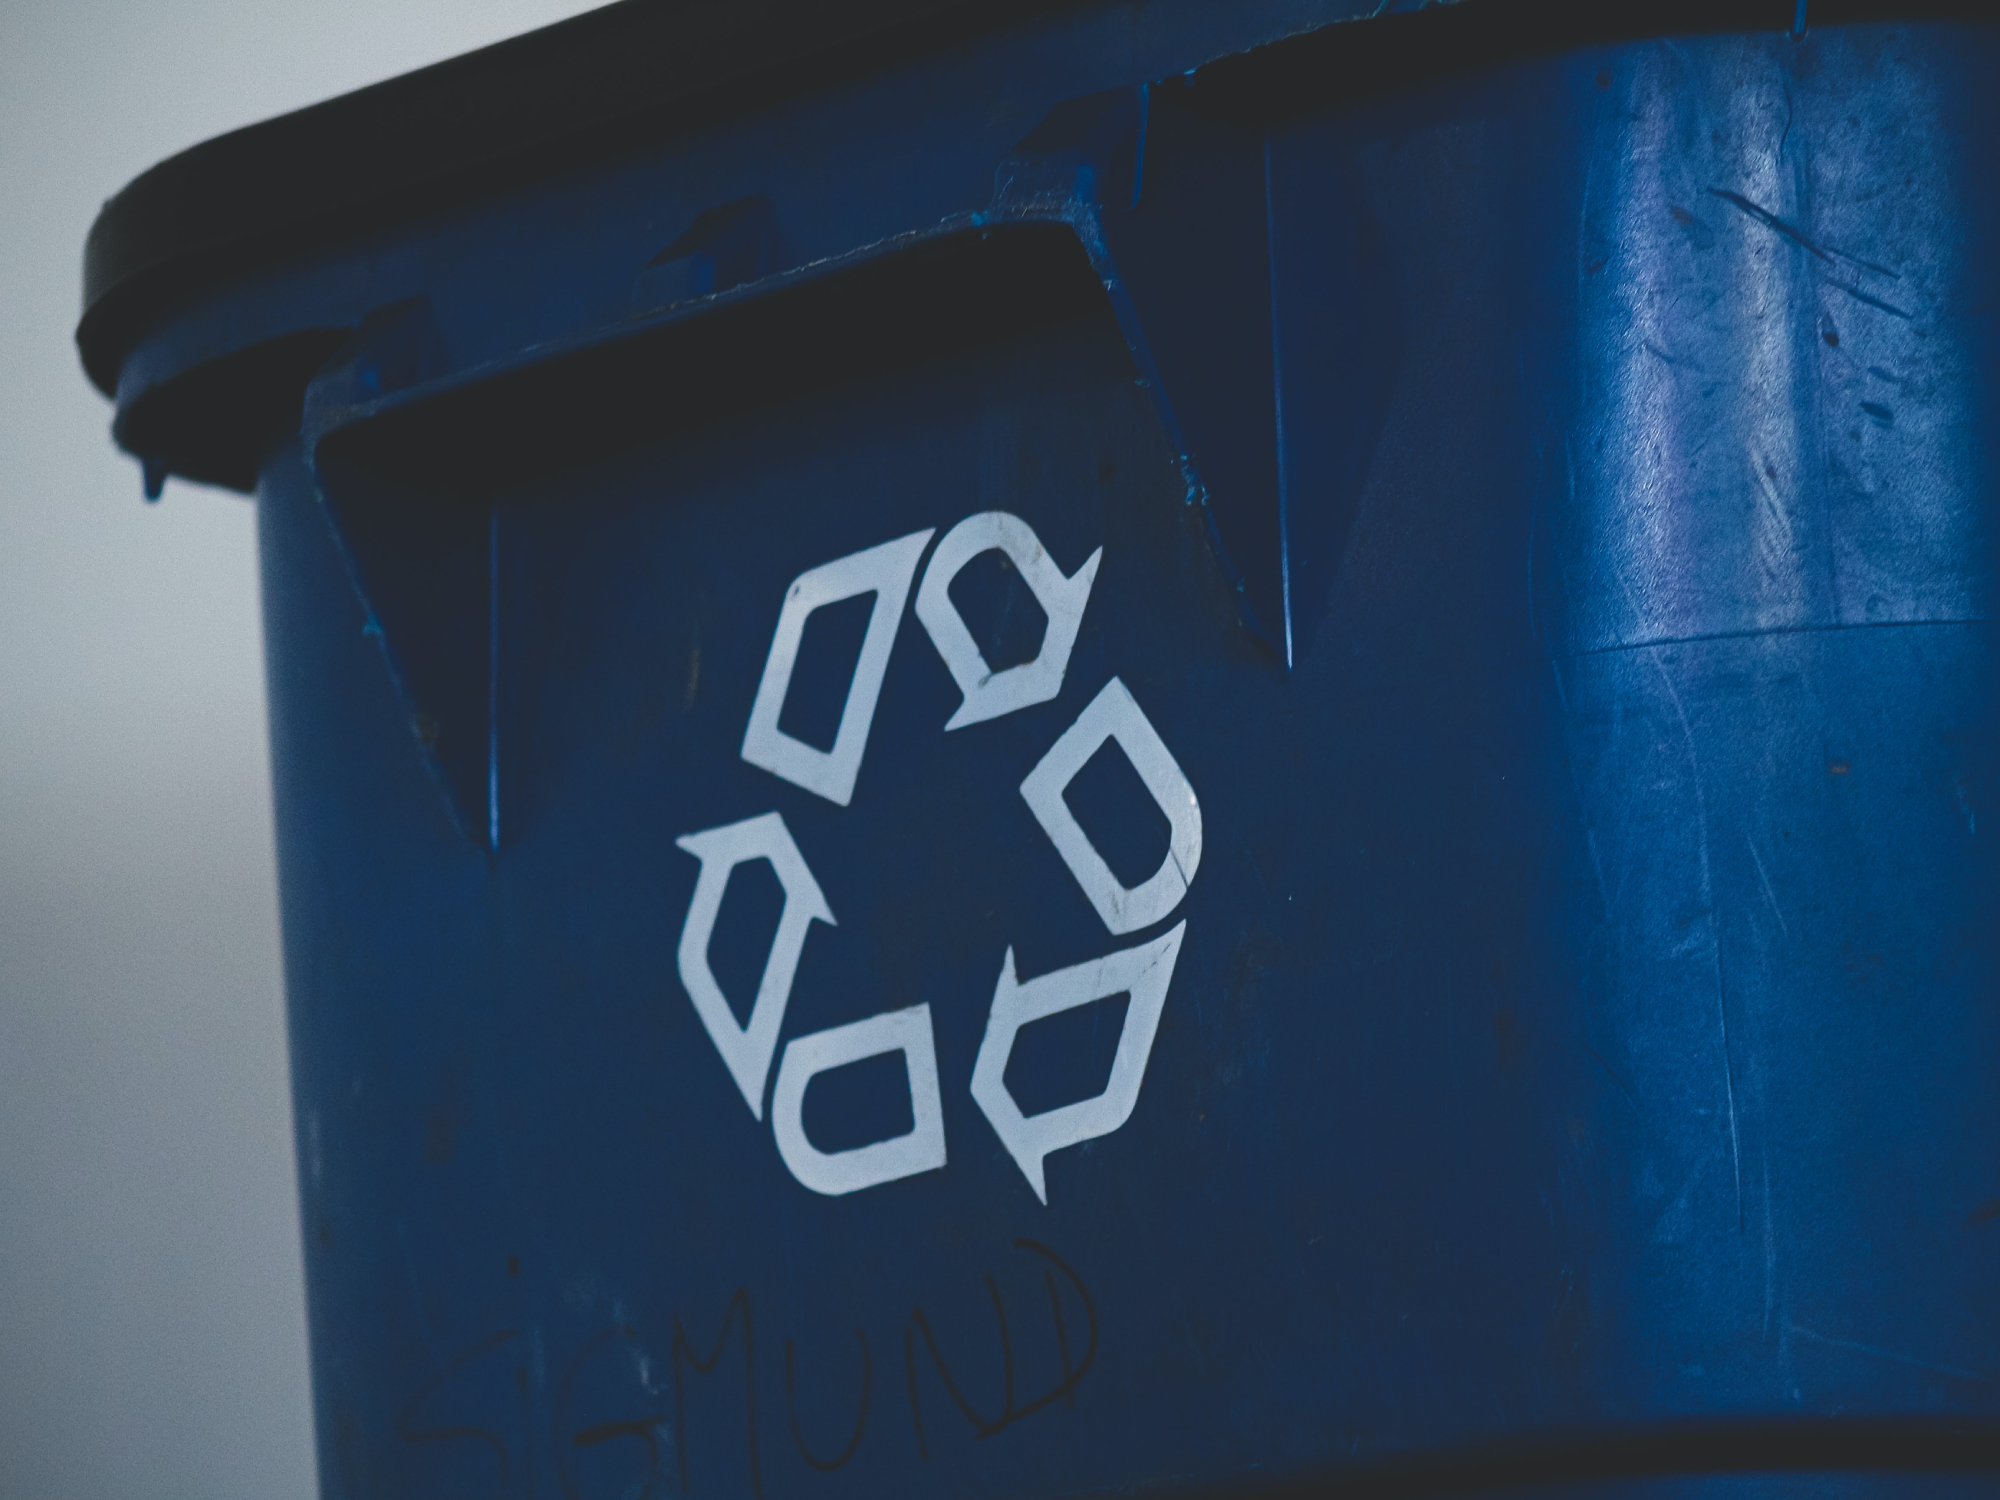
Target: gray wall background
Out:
[152,1329]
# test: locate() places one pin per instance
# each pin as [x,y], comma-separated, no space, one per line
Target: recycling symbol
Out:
[1142,972]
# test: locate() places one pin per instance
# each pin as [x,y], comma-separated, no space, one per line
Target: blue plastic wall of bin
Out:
[1545,512]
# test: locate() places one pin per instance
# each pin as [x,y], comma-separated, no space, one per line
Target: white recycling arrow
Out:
[1142,973]
[919,1149]
[746,1050]
[883,571]
[989,694]
[1115,715]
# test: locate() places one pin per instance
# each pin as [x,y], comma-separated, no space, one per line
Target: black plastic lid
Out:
[610,80]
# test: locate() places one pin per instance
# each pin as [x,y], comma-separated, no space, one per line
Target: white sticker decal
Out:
[920,1149]
[747,1050]
[989,694]
[1142,973]
[1113,715]
[884,571]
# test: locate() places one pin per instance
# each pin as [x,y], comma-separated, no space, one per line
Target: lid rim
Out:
[617,78]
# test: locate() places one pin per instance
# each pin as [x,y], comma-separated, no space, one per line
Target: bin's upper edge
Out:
[610,79]
[613,80]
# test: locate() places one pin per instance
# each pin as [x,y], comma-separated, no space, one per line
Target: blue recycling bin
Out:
[1040,750]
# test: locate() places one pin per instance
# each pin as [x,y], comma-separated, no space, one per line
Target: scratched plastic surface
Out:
[1585,1018]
